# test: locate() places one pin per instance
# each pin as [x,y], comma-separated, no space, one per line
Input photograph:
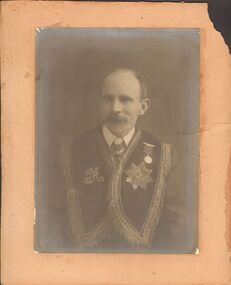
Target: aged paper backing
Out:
[20,264]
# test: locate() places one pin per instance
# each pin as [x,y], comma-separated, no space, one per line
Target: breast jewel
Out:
[149,151]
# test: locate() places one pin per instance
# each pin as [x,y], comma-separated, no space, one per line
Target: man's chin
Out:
[118,129]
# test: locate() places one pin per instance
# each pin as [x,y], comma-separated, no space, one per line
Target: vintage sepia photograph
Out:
[116,143]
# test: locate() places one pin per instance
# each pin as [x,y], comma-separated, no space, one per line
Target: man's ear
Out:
[144,106]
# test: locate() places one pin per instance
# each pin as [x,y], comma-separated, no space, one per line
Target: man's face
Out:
[121,102]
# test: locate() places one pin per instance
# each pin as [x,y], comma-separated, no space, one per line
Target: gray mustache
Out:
[116,118]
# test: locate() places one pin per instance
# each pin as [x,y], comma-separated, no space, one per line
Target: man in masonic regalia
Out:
[121,190]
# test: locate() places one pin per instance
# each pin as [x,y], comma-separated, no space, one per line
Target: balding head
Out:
[132,78]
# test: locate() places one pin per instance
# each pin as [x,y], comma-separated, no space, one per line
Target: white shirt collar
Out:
[109,137]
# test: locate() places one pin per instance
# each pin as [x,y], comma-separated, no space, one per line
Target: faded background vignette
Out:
[70,67]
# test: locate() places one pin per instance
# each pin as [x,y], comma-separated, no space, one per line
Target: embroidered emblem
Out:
[139,176]
[149,151]
[92,174]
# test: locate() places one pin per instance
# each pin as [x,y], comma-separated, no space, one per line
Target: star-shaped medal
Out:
[138,176]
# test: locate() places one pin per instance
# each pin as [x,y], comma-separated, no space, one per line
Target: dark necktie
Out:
[117,148]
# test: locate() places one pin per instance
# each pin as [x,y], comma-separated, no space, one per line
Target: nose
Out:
[116,107]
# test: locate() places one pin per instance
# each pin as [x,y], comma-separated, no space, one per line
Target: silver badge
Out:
[149,151]
[148,159]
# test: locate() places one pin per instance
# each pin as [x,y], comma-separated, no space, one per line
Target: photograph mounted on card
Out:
[115,144]
[116,161]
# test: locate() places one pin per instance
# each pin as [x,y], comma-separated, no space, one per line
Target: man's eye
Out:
[125,99]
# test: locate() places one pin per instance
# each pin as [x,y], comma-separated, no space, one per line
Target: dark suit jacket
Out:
[128,206]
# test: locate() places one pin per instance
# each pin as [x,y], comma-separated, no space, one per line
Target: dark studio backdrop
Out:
[70,67]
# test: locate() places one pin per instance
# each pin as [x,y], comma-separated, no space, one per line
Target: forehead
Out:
[121,82]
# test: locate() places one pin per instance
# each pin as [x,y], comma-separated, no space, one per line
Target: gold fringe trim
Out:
[80,236]
[122,223]
[116,214]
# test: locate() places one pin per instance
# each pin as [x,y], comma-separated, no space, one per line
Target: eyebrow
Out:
[126,96]
[123,96]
